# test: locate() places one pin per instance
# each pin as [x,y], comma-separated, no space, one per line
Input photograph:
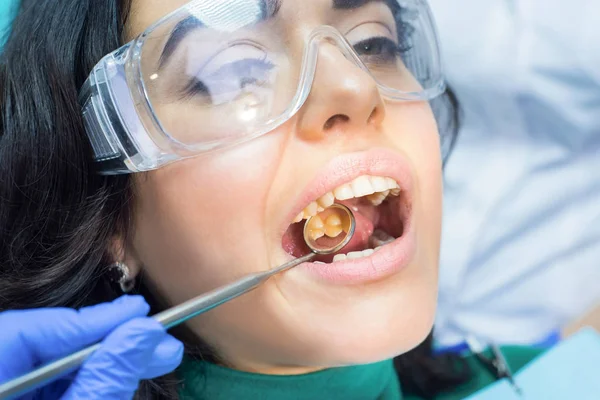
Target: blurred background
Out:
[521,239]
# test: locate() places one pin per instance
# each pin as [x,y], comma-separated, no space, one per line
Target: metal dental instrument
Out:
[191,308]
[497,364]
[504,370]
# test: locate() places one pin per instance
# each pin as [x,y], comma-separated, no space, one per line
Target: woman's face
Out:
[207,221]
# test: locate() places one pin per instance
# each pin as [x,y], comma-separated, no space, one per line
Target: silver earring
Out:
[121,274]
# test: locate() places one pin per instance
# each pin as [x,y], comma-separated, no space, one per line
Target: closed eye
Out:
[229,79]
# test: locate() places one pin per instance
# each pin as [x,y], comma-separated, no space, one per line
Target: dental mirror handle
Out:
[206,302]
[168,318]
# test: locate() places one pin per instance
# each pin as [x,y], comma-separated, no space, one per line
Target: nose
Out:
[343,96]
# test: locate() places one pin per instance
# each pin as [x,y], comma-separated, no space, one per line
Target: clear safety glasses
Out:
[216,73]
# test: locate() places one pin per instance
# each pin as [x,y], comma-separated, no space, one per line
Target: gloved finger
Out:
[114,371]
[166,357]
[32,337]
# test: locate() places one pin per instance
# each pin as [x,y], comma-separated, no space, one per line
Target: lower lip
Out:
[385,262]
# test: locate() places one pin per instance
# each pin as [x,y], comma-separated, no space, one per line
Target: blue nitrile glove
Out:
[135,347]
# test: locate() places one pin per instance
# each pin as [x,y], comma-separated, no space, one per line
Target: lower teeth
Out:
[376,241]
[353,255]
[380,238]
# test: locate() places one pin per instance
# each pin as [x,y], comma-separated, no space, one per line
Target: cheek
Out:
[420,141]
[192,214]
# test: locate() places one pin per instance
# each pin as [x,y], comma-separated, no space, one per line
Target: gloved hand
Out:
[135,347]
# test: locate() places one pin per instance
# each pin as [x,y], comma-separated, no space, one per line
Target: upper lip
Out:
[347,167]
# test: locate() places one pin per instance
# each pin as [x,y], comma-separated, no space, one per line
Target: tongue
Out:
[364,230]
[293,240]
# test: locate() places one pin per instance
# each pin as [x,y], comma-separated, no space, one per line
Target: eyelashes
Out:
[378,50]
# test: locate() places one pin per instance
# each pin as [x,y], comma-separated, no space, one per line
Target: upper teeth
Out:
[376,188]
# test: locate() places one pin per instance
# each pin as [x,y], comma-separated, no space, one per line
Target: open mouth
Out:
[381,210]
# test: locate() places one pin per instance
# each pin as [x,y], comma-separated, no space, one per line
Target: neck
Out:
[266,369]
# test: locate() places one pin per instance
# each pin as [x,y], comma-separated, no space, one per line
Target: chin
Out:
[402,336]
[387,322]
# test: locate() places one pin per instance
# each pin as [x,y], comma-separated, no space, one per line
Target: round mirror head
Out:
[330,230]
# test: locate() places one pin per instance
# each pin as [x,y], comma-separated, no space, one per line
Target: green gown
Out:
[201,380]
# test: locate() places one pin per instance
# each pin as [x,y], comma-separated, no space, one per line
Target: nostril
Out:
[336,119]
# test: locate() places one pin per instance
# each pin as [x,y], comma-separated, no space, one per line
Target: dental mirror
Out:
[330,230]
[325,233]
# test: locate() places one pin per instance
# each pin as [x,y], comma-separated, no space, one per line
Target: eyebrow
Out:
[270,8]
[352,4]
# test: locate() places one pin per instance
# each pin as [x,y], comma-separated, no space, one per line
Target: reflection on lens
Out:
[215,73]
[330,230]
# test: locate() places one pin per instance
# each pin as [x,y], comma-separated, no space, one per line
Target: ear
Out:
[121,251]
